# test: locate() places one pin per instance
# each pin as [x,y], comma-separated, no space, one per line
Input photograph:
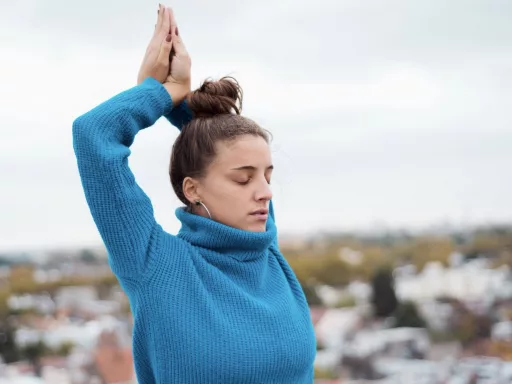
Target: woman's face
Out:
[236,187]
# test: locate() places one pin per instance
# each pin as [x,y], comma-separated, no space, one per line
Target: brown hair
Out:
[216,108]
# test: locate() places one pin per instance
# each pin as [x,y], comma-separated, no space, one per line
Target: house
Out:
[80,333]
[114,362]
[70,297]
[412,371]
[502,331]
[393,342]
[438,314]
[22,380]
[332,329]
[316,313]
[473,283]
[55,375]
[336,324]
[41,303]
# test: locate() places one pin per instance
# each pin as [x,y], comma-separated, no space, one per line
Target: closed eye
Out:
[243,182]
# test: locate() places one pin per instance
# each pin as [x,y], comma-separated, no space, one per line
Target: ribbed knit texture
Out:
[213,304]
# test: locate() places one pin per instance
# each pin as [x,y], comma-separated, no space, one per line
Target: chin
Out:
[257,227]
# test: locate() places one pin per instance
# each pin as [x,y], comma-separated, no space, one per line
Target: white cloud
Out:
[381,111]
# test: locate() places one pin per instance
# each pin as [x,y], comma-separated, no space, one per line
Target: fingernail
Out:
[168,38]
[176,31]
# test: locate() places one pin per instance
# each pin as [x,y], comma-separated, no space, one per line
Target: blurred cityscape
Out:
[430,308]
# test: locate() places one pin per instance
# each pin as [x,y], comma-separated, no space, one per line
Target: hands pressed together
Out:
[166,58]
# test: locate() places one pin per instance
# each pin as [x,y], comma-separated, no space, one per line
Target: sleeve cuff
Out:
[180,115]
[163,99]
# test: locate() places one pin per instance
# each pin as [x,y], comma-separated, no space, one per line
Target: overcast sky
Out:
[394,113]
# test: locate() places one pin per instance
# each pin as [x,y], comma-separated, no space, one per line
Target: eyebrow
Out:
[250,168]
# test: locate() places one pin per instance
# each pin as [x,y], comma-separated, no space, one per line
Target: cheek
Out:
[222,191]
[228,194]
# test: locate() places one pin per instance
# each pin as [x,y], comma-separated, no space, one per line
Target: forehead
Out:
[242,151]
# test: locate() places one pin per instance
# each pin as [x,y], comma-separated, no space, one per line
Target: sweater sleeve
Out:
[180,115]
[121,210]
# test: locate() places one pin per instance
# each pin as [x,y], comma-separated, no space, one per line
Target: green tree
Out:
[407,315]
[384,299]
[311,296]
[65,348]
[345,302]
[8,348]
[33,353]
[88,256]
[332,271]
[327,374]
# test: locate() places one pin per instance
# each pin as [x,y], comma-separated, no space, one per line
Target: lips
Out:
[260,214]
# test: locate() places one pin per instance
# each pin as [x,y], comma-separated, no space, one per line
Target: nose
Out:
[264,192]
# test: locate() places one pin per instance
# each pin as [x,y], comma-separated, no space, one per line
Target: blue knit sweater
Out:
[212,304]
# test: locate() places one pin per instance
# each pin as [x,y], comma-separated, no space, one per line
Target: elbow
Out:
[81,125]
[92,141]
[83,135]
[87,127]
[78,128]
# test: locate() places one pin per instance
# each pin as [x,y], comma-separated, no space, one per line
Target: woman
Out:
[217,303]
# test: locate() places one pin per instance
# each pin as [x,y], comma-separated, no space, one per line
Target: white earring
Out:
[199,202]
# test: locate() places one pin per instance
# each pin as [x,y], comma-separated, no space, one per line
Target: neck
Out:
[201,210]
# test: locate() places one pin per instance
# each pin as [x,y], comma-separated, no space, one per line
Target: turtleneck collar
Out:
[217,237]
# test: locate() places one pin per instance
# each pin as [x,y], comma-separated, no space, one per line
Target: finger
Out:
[174,26]
[165,51]
[159,19]
[166,24]
[178,45]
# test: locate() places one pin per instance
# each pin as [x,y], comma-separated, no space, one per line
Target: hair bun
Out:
[219,97]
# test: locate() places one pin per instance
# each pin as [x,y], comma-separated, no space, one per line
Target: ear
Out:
[191,189]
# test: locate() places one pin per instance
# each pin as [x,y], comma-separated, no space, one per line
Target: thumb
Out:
[165,51]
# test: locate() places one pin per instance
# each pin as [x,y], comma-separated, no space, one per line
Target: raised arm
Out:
[121,210]
[102,138]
